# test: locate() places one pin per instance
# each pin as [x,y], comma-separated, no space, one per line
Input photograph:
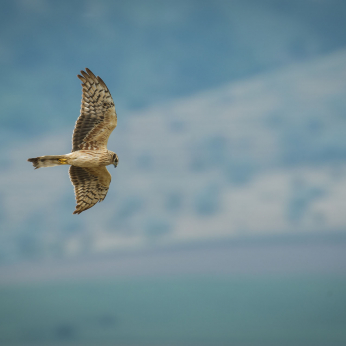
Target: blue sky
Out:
[231,121]
[228,204]
[149,52]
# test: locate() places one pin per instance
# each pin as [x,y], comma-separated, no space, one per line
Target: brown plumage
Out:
[89,156]
[90,186]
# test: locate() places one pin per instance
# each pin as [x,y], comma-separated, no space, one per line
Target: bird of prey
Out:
[89,156]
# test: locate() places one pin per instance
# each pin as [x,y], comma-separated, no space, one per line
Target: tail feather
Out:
[48,161]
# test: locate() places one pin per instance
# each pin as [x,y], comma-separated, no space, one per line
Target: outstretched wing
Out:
[97,117]
[90,186]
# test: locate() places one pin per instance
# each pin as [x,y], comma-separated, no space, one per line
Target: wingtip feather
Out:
[89,72]
[81,78]
[102,82]
[91,75]
[85,75]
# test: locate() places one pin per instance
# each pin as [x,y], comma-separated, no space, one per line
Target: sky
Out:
[230,121]
[225,219]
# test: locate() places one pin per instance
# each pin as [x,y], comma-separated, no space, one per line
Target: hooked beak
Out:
[116,161]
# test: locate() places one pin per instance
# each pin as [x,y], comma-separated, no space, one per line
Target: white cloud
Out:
[229,132]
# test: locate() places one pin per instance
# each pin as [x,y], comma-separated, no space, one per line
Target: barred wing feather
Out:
[90,186]
[97,118]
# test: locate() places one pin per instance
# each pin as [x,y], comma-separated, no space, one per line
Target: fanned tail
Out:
[48,161]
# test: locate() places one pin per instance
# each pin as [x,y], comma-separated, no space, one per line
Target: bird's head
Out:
[115,160]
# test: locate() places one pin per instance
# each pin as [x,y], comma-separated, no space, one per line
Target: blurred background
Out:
[225,222]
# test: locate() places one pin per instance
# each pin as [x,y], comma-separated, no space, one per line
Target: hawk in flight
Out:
[89,156]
